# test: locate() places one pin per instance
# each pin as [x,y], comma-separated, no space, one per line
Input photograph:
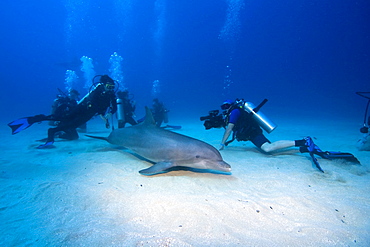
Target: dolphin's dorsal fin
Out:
[149,120]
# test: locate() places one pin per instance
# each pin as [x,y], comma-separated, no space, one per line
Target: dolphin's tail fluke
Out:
[98,137]
[23,123]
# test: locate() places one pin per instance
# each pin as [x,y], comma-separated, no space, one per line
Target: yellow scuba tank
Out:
[262,120]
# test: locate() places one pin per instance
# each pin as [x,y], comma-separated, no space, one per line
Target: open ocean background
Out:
[307,57]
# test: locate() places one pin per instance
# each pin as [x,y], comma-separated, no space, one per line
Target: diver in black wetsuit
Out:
[100,98]
[63,105]
[159,112]
[160,115]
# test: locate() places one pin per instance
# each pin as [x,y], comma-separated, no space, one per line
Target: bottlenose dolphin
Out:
[167,149]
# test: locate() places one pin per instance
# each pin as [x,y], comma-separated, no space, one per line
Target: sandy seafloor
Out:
[89,193]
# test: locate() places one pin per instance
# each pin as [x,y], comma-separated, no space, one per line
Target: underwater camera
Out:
[213,120]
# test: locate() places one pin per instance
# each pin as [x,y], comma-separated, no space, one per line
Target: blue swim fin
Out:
[46,145]
[311,148]
[314,160]
[23,123]
[329,155]
[19,125]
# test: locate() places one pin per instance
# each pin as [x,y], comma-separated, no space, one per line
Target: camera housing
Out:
[213,120]
[364,130]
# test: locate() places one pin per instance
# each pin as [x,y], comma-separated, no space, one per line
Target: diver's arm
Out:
[227,133]
[113,104]
[105,119]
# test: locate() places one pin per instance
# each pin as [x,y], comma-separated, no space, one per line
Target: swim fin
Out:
[46,145]
[23,123]
[311,148]
[329,155]
[314,160]
[339,155]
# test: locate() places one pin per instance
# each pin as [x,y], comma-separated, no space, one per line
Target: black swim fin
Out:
[23,123]
[329,155]
[339,155]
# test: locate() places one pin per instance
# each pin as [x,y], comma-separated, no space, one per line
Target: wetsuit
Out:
[159,113]
[61,108]
[246,128]
[97,102]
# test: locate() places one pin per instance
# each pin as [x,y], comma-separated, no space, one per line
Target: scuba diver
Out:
[160,115]
[100,98]
[246,128]
[363,144]
[159,112]
[63,104]
[245,122]
[126,108]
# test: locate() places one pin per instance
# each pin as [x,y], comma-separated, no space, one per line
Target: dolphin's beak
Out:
[225,166]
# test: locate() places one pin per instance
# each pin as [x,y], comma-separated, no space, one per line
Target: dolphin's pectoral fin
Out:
[157,168]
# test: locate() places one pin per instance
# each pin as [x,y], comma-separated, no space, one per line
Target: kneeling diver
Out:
[97,101]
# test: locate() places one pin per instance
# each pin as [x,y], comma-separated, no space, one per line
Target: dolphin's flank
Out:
[167,149]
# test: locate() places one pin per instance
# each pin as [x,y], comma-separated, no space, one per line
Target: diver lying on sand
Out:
[245,122]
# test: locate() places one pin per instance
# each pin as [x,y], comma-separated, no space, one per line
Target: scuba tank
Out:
[120,111]
[165,119]
[261,119]
[85,100]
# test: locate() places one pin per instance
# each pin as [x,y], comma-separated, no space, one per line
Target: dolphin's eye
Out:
[197,156]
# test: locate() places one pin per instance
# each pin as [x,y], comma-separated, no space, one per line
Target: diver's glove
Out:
[106,119]
[108,115]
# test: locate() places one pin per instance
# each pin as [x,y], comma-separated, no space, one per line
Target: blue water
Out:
[307,57]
